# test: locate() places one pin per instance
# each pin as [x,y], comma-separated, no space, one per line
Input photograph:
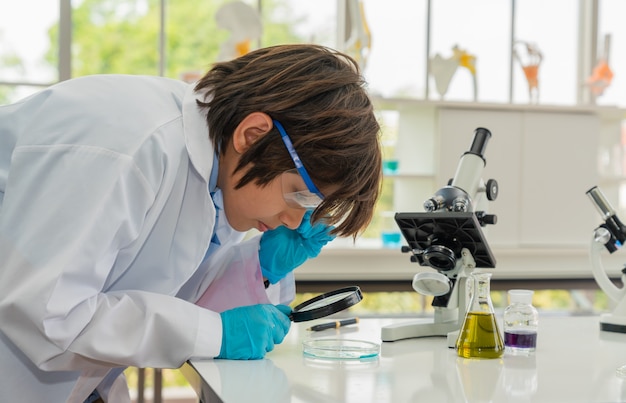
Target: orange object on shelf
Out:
[532,75]
[530,66]
[601,75]
[600,78]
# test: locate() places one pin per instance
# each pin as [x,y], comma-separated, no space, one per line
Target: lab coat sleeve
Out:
[60,230]
[282,292]
[238,279]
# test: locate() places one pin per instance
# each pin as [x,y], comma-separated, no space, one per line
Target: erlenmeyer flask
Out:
[479,336]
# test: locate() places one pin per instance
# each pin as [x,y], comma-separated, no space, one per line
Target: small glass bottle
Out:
[480,336]
[521,321]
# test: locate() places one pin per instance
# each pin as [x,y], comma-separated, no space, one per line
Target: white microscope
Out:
[610,235]
[448,238]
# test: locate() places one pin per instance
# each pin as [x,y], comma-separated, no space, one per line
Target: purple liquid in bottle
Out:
[520,339]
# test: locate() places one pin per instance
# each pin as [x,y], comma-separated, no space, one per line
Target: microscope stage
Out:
[449,229]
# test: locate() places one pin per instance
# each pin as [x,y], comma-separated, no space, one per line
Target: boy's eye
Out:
[296,193]
[292,182]
[302,199]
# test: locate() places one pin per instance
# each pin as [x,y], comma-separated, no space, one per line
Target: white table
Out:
[574,362]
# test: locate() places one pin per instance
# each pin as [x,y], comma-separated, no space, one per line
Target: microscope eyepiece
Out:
[481,137]
[611,222]
[602,204]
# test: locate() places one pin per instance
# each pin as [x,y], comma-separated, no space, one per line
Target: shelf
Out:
[403,175]
[365,263]
[606,112]
[612,179]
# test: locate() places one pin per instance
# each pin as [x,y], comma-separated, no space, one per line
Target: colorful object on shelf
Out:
[190,76]
[443,69]
[390,167]
[359,42]
[602,75]
[530,65]
[465,60]
[391,239]
[244,24]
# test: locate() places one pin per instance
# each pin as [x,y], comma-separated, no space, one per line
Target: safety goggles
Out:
[299,191]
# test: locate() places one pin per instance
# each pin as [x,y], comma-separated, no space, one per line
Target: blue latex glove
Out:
[282,249]
[248,332]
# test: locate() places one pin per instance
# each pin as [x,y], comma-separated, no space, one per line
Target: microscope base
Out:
[452,338]
[612,323]
[399,331]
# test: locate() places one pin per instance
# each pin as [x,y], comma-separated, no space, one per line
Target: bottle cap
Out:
[523,296]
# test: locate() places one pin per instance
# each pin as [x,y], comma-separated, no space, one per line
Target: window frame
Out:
[587,41]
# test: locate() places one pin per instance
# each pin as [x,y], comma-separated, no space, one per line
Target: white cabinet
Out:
[503,160]
[544,159]
[544,162]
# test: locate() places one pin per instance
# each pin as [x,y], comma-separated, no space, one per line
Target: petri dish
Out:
[340,349]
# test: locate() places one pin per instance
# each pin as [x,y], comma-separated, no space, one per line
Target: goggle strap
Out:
[296,159]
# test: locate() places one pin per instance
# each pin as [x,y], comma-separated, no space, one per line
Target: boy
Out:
[124,200]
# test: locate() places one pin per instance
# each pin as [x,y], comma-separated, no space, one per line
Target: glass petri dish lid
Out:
[340,349]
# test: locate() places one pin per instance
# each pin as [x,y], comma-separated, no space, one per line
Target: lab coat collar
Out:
[199,146]
[214,172]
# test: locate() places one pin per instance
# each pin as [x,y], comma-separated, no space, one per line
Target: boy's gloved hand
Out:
[283,249]
[248,332]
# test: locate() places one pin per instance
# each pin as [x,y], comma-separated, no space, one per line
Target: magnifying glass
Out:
[326,304]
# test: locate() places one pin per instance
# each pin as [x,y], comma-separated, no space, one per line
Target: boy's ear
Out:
[250,129]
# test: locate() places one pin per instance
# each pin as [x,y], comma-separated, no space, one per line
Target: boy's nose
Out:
[292,217]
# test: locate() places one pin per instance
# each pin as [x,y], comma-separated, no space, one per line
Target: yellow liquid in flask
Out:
[480,337]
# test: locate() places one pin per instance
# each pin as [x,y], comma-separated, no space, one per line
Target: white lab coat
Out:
[104,216]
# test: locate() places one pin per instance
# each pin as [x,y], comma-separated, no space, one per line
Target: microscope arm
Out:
[614,321]
[597,268]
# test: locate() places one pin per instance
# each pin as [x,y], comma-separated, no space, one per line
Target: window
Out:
[24,47]
[610,23]
[399,31]
[174,38]
[481,29]
[535,22]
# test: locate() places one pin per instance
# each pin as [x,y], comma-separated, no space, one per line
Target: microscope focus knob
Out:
[489,219]
[486,219]
[491,188]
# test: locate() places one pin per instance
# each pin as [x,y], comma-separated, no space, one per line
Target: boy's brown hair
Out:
[319,96]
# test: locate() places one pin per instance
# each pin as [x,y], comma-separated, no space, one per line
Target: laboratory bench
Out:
[574,362]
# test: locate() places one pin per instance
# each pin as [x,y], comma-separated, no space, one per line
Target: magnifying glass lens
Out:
[327,304]
[324,302]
